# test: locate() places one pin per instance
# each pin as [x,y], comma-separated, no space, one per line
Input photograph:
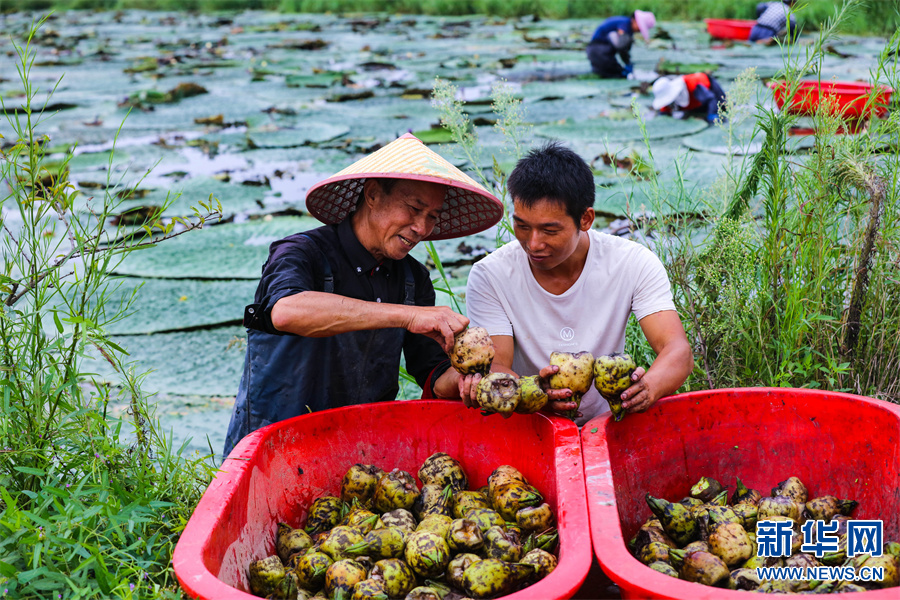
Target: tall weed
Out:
[91,504]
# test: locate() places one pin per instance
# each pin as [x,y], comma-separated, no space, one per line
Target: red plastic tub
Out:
[838,444]
[729,29]
[275,473]
[850,98]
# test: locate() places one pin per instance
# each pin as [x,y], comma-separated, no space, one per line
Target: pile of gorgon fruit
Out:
[386,539]
[504,394]
[705,540]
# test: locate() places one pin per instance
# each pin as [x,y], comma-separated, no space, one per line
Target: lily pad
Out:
[619,130]
[240,250]
[311,133]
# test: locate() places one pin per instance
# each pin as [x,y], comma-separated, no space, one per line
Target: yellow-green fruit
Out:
[645,535]
[487,578]
[825,508]
[473,351]
[265,575]
[359,482]
[744,495]
[441,469]
[465,500]
[706,489]
[743,579]
[396,489]
[361,519]
[396,575]
[464,536]
[891,576]
[387,542]
[498,393]
[510,497]
[793,488]
[503,474]
[654,552]
[401,518]
[369,589]
[729,542]
[532,396]
[485,518]
[612,376]
[892,549]
[343,575]
[747,515]
[290,541]
[802,560]
[439,524]
[576,371]
[778,506]
[433,500]
[311,569]
[427,553]
[664,568]
[324,514]
[497,544]
[423,592]
[698,546]
[457,567]
[338,540]
[535,518]
[705,568]
[543,562]
[676,520]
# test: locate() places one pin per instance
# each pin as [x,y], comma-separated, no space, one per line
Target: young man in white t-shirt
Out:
[565,287]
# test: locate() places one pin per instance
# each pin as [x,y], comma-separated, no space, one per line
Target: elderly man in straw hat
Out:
[337,305]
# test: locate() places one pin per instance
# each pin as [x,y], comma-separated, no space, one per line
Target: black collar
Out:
[359,257]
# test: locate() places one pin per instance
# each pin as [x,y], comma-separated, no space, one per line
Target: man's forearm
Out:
[319,314]
[670,369]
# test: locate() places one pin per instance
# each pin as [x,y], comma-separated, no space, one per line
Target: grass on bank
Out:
[881,17]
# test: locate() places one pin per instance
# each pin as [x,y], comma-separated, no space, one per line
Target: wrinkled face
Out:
[547,233]
[400,220]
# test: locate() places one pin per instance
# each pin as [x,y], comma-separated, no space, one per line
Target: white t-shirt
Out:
[620,277]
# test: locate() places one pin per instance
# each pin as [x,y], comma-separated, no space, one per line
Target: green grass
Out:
[877,17]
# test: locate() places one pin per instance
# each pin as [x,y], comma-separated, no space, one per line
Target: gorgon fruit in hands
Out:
[576,371]
[473,351]
[498,393]
[612,376]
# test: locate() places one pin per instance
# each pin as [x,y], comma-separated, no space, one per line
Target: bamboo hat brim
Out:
[468,207]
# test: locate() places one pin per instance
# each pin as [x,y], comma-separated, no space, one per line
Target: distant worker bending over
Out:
[772,20]
[680,95]
[615,36]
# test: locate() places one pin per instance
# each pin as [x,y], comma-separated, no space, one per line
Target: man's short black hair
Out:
[553,172]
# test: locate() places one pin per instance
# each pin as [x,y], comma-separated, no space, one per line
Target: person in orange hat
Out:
[336,306]
[614,37]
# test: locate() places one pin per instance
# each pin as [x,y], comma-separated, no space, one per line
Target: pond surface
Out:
[254,108]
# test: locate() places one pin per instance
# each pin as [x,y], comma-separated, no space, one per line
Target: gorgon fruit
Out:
[612,376]
[676,520]
[359,482]
[457,567]
[532,396]
[396,489]
[441,469]
[576,370]
[396,575]
[265,575]
[473,351]
[543,561]
[498,393]
[793,488]
[343,575]
[290,541]
[427,553]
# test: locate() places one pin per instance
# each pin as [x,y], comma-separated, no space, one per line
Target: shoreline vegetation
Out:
[879,17]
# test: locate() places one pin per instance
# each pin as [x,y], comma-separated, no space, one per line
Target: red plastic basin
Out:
[850,99]
[729,29]
[838,444]
[274,474]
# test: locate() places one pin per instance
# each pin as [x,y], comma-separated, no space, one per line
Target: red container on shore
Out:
[274,475]
[850,98]
[837,444]
[729,29]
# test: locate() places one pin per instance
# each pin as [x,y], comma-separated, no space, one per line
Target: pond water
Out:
[286,100]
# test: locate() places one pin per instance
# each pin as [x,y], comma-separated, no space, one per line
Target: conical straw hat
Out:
[468,207]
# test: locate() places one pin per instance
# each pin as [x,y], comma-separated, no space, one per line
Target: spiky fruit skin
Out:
[676,520]
[396,489]
[457,567]
[543,561]
[612,376]
[324,514]
[290,541]
[532,396]
[396,575]
[343,575]
[473,351]
[498,393]
[441,469]
[487,578]
[265,575]
[359,482]
[427,553]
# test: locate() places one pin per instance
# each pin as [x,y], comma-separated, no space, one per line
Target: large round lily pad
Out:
[619,130]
